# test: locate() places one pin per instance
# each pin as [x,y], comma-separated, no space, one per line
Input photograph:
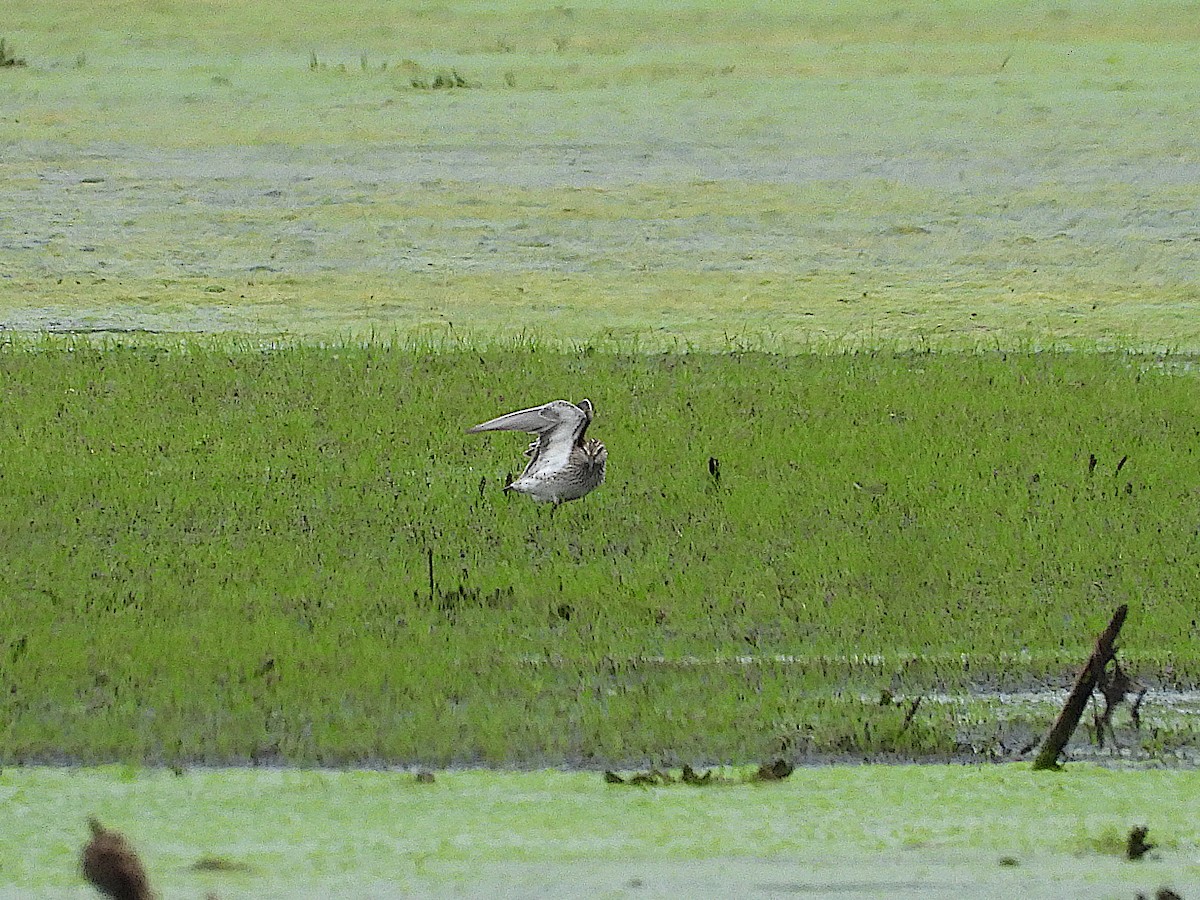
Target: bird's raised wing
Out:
[558,424]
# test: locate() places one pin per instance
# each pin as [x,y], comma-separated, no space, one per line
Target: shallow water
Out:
[857,831]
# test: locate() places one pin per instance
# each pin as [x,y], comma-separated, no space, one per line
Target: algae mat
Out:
[845,831]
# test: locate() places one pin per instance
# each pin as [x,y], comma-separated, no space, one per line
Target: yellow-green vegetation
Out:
[867,831]
[217,553]
[958,174]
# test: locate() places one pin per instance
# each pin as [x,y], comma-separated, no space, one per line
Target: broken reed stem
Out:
[432,591]
[1064,726]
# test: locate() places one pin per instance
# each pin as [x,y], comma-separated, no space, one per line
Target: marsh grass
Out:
[8,59]
[221,553]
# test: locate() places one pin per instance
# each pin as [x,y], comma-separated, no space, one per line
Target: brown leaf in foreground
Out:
[113,867]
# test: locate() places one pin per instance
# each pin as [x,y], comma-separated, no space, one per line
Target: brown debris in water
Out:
[113,867]
[209,863]
[775,771]
[772,771]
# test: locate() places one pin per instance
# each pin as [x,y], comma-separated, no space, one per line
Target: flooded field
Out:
[935,177]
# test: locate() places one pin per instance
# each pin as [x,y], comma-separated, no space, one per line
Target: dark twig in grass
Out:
[1135,711]
[1064,726]
[112,865]
[1115,686]
[910,714]
[432,589]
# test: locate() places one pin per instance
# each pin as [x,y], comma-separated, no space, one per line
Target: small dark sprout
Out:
[1009,861]
[1121,464]
[1091,463]
[1137,846]
[714,469]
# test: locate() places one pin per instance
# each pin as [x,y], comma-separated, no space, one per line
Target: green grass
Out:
[874,831]
[963,175]
[219,553]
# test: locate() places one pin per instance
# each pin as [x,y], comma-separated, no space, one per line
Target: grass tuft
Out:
[442,80]
[8,59]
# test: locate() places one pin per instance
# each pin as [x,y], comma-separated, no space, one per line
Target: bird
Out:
[112,865]
[562,464]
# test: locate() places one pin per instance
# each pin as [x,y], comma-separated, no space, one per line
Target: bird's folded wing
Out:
[557,425]
[528,420]
[536,419]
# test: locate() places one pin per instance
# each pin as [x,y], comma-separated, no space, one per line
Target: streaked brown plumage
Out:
[563,465]
[113,867]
